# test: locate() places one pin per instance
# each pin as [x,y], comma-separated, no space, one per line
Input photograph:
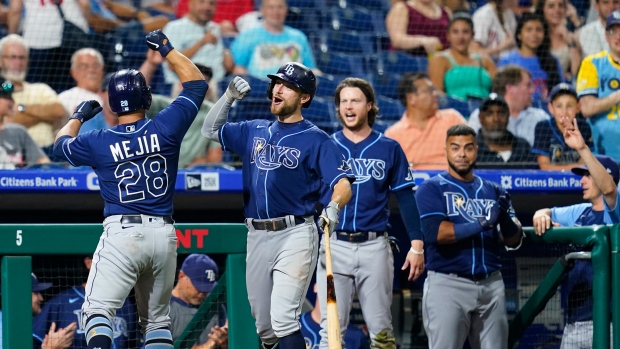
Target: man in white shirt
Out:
[592,35]
[515,85]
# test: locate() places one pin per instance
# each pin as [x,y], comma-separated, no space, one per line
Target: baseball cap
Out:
[610,165]
[612,19]
[6,89]
[204,70]
[562,89]
[106,81]
[201,270]
[39,286]
[493,99]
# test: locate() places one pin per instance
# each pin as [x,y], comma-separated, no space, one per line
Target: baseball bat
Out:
[333,320]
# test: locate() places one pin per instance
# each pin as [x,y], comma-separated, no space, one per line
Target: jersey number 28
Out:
[132,184]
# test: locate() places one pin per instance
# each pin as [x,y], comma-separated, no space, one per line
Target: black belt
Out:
[275,224]
[360,236]
[474,277]
[137,219]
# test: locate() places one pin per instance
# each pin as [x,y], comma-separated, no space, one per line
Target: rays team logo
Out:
[269,157]
[470,209]
[289,69]
[365,169]
[614,84]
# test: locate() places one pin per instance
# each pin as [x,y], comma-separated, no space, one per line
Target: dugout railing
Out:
[18,242]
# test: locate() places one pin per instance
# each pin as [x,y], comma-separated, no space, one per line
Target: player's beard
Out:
[358,125]
[15,77]
[463,172]
[286,108]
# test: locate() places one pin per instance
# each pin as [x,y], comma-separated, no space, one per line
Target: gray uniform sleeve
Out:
[216,117]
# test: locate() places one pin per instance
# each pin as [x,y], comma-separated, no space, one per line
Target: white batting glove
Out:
[329,217]
[237,89]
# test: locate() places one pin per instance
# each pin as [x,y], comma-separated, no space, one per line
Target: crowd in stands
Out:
[433,64]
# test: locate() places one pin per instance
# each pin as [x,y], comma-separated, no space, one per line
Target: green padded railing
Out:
[20,241]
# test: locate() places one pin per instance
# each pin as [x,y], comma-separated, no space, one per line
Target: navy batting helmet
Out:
[128,91]
[297,74]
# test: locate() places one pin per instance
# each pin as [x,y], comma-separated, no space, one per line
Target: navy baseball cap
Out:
[612,19]
[493,99]
[201,270]
[610,165]
[39,286]
[562,89]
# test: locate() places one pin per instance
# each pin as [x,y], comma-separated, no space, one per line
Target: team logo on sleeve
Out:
[470,209]
[365,169]
[614,84]
[270,156]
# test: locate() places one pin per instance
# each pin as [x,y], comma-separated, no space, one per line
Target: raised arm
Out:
[184,67]
[217,116]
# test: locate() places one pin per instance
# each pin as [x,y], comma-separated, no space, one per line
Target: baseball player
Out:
[362,259]
[599,180]
[465,222]
[285,163]
[136,163]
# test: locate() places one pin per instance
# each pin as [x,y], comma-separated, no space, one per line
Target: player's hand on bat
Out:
[331,212]
[86,111]
[61,339]
[158,41]
[542,222]
[415,262]
[572,135]
[237,89]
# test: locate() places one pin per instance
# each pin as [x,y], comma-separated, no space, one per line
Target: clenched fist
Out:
[237,89]
[158,41]
[86,111]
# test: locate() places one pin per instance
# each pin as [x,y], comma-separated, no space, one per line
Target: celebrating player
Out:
[136,163]
[461,216]
[285,163]
[599,180]
[380,167]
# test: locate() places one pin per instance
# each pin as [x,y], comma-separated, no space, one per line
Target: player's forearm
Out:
[191,51]
[342,192]
[15,15]
[184,67]
[511,231]
[216,117]
[409,213]
[591,105]
[71,129]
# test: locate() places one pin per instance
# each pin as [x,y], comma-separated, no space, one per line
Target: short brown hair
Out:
[366,89]
[406,85]
[507,75]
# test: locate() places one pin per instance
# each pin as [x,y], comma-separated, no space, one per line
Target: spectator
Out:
[105,16]
[53,339]
[534,54]
[87,69]
[599,180]
[592,35]
[598,89]
[310,321]
[16,147]
[564,44]
[263,49]
[463,249]
[422,128]
[43,34]
[514,84]
[109,117]
[494,33]
[65,309]
[199,38]
[227,12]
[38,106]
[418,27]
[197,278]
[459,73]
[498,147]
[551,151]
[195,149]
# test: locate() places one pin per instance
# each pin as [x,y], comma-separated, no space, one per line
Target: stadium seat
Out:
[386,85]
[326,85]
[375,5]
[249,109]
[341,64]
[460,106]
[351,18]
[306,19]
[129,50]
[389,109]
[400,62]
[342,42]
[322,113]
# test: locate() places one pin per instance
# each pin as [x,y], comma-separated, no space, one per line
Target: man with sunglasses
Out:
[17,148]
[599,180]
[598,88]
